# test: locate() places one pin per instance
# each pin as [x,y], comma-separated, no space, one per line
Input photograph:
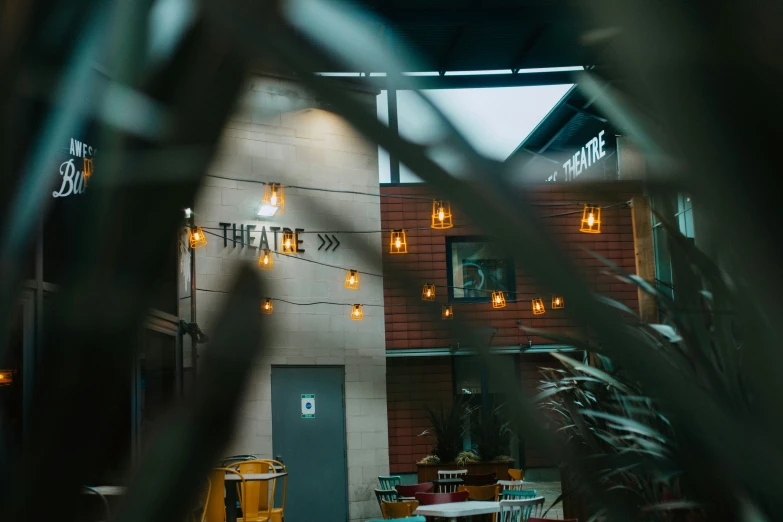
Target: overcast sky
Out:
[494,121]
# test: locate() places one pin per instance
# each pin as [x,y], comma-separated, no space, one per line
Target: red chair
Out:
[410,490]
[428,499]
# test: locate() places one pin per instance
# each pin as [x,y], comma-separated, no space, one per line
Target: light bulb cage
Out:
[398,243]
[267,307]
[275,191]
[428,292]
[498,299]
[439,207]
[447,313]
[288,244]
[538,306]
[357,314]
[88,166]
[6,377]
[265,260]
[591,227]
[197,238]
[557,302]
[352,284]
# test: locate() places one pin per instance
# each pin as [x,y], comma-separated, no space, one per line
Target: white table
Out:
[455,510]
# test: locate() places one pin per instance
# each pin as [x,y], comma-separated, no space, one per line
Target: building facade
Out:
[282,134]
[428,365]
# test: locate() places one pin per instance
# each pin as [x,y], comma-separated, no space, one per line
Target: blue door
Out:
[308,436]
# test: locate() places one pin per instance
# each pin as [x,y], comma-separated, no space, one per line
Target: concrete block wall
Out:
[281,133]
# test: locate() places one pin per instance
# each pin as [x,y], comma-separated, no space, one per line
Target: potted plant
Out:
[449,427]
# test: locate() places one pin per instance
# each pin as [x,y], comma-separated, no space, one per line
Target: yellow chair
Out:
[215,501]
[481,492]
[398,509]
[255,500]
[277,467]
[516,474]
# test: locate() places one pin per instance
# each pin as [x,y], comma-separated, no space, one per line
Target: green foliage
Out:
[491,431]
[466,456]
[448,429]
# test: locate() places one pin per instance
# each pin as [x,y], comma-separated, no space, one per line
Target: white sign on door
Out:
[308,405]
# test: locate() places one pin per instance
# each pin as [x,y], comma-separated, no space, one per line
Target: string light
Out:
[399,243]
[88,165]
[446,313]
[357,314]
[265,260]
[273,203]
[428,292]
[197,238]
[289,243]
[591,220]
[498,299]
[6,377]
[538,306]
[267,306]
[352,280]
[557,302]
[188,213]
[441,215]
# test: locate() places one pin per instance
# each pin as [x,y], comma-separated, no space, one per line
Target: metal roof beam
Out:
[526,46]
[586,113]
[468,81]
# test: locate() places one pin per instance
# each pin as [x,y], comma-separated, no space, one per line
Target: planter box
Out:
[429,472]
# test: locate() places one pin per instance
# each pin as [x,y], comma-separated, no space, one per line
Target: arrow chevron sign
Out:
[333,242]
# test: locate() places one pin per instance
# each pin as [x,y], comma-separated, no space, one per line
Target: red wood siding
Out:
[412,384]
[413,323]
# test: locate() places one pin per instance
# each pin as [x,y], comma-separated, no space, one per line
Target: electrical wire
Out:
[378,195]
[382,230]
[290,256]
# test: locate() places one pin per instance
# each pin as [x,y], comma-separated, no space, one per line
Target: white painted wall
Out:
[280,133]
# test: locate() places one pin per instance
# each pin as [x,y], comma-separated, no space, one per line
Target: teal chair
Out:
[409,519]
[513,494]
[389,482]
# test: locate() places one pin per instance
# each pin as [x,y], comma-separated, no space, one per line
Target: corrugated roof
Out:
[487,35]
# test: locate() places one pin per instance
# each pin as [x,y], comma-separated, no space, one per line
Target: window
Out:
[477,267]
[683,213]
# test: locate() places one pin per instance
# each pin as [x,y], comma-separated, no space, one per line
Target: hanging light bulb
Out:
[197,238]
[188,212]
[273,203]
[352,279]
[265,260]
[557,302]
[267,306]
[357,314]
[399,243]
[428,292]
[538,306]
[591,220]
[441,214]
[289,243]
[447,313]
[498,299]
